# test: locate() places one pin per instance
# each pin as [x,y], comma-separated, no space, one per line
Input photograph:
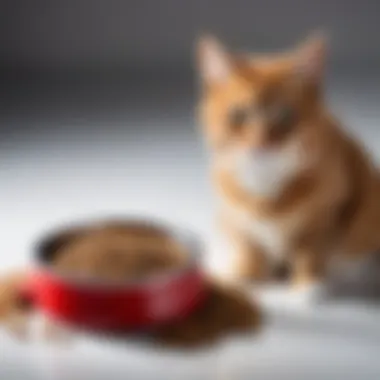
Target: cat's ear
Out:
[310,57]
[214,62]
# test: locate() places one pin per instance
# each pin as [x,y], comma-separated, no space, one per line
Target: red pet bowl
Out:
[158,300]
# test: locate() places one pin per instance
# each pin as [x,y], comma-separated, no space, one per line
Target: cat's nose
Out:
[258,152]
[256,147]
[256,138]
[259,149]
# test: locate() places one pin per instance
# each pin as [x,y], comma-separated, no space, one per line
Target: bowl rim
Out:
[180,234]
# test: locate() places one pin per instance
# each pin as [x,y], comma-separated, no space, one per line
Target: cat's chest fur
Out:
[269,234]
[272,233]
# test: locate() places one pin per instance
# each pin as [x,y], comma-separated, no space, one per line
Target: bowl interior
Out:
[48,247]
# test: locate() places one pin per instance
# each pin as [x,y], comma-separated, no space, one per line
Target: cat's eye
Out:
[282,116]
[237,117]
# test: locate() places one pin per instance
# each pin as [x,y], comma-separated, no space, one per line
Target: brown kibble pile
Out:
[11,300]
[14,306]
[114,253]
[226,311]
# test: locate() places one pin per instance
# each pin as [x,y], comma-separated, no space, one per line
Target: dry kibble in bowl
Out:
[116,254]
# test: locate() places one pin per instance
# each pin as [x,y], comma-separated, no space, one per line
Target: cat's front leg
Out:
[308,278]
[249,262]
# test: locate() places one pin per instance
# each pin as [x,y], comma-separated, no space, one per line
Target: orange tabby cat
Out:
[293,187]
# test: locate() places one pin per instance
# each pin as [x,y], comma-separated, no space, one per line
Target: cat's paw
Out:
[307,295]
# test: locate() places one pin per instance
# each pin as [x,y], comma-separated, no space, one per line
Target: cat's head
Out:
[260,113]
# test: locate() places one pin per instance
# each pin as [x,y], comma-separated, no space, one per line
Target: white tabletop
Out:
[75,169]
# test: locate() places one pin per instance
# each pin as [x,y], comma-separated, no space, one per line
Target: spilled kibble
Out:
[226,311]
[15,307]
